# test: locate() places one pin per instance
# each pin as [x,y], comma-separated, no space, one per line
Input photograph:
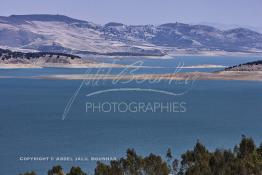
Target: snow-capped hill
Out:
[242,33]
[27,19]
[58,33]
[206,37]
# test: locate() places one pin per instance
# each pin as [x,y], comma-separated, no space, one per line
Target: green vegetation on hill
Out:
[250,66]
[6,54]
[245,159]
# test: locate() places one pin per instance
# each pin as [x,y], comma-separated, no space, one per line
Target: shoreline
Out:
[224,75]
[99,65]
[53,65]
[187,76]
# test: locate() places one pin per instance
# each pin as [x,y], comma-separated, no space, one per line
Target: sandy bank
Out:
[18,66]
[203,66]
[224,75]
[58,65]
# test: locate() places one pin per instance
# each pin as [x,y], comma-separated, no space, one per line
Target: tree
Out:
[154,165]
[169,154]
[132,164]
[245,159]
[116,168]
[56,170]
[172,164]
[102,169]
[196,162]
[76,171]
[246,147]
[175,166]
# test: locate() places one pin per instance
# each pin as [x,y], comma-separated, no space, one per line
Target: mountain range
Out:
[59,33]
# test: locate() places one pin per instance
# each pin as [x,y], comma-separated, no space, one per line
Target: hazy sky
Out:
[241,12]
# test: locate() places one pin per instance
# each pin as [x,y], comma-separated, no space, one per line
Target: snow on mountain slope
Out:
[68,36]
[58,33]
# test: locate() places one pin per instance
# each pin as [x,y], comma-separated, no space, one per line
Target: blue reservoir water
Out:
[217,113]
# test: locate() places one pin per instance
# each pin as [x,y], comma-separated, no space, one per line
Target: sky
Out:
[237,12]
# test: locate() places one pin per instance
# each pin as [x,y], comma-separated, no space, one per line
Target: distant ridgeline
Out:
[38,32]
[250,66]
[6,54]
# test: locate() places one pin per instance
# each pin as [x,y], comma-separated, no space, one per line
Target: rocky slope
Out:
[57,33]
